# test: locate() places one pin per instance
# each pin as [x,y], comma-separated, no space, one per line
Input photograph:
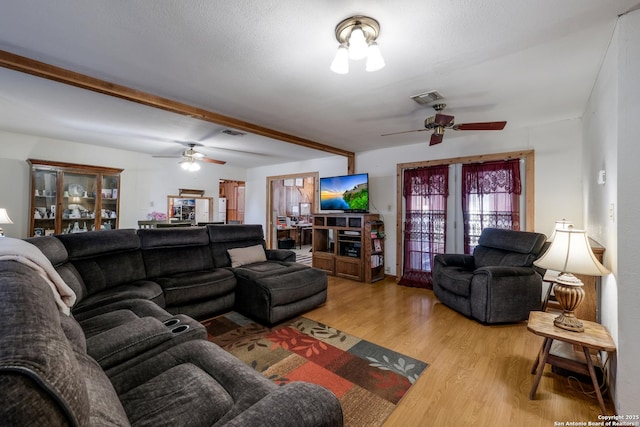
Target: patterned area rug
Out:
[368,379]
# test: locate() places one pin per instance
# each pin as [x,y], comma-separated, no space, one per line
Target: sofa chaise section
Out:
[271,285]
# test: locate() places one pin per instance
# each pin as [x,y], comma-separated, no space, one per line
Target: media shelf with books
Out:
[349,245]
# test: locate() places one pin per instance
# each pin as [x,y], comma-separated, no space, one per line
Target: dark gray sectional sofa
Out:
[131,352]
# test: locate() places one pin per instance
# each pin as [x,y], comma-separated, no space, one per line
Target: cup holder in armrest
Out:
[180,329]
[171,322]
[185,326]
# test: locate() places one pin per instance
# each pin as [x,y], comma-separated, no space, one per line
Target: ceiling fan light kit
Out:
[189,164]
[189,158]
[357,36]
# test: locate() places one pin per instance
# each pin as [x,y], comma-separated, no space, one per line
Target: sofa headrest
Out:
[52,248]
[172,237]
[220,233]
[92,243]
[523,242]
[55,251]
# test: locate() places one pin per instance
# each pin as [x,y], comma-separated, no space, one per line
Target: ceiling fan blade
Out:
[406,131]
[219,162]
[480,126]
[436,138]
[443,120]
[168,157]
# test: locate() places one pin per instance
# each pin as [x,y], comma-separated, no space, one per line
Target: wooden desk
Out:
[295,232]
[594,337]
[301,232]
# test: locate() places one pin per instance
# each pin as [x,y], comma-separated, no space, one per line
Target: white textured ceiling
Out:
[267,62]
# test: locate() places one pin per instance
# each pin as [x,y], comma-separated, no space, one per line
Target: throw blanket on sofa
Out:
[25,253]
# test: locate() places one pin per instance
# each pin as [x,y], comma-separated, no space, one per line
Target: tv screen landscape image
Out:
[349,193]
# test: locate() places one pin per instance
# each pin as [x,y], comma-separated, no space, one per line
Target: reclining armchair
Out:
[498,283]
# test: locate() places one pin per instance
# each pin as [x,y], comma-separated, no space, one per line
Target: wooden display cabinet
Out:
[72,198]
[349,245]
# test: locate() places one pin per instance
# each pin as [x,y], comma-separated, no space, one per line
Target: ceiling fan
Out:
[190,157]
[440,122]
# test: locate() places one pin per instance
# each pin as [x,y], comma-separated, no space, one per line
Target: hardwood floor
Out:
[478,375]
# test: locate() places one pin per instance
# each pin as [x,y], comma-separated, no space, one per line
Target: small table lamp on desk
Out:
[570,253]
[4,219]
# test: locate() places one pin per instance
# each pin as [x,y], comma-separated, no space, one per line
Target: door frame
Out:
[527,155]
[270,220]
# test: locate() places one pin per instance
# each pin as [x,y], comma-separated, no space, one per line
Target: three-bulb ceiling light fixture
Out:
[189,163]
[357,37]
[189,159]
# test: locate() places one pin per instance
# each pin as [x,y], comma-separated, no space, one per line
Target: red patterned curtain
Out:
[490,198]
[425,193]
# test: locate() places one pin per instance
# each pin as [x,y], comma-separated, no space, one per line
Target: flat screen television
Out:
[347,193]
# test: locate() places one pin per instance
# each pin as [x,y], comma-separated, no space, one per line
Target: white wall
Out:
[611,129]
[628,206]
[146,181]
[558,185]
[558,173]
[601,153]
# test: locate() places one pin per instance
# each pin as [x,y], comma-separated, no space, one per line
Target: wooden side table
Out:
[595,337]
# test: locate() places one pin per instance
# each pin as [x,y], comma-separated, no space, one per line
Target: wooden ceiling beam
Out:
[61,75]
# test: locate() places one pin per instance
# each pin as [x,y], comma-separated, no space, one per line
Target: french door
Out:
[490,194]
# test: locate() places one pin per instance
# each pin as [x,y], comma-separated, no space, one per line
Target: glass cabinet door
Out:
[109,202]
[78,202]
[45,185]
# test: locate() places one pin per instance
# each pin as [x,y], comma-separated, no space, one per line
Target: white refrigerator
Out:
[222,209]
[202,211]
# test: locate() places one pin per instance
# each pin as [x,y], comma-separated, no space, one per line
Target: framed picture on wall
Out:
[305,209]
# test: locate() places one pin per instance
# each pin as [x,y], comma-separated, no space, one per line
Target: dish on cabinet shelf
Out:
[76,190]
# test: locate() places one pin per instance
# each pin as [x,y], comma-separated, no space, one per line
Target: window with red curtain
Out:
[490,198]
[425,193]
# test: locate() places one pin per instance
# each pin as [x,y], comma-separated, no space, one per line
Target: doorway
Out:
[231,202]
[292,199]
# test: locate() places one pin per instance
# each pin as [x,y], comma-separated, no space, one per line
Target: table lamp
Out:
[570,253]
[4,219]
[563,224]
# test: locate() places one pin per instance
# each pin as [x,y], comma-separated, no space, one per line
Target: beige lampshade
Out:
[570,252]
[4,217]
[560,225]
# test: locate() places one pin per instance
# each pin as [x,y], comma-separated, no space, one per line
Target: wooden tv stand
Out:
[349,245]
